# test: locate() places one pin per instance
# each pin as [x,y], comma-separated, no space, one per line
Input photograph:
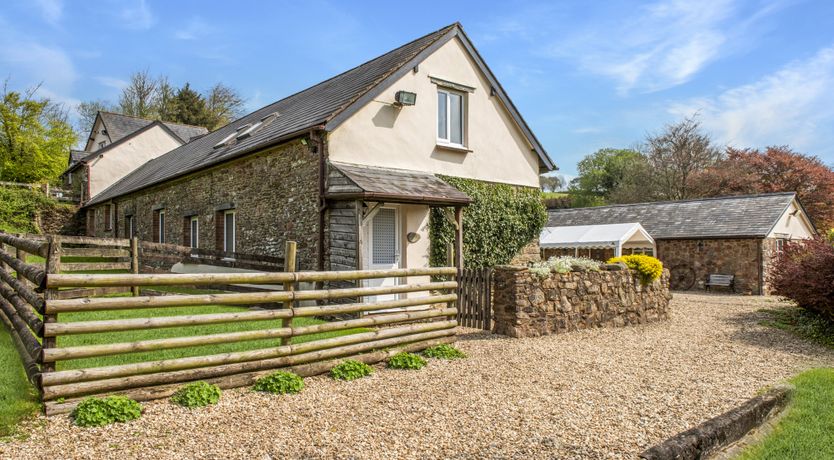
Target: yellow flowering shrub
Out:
[648,268]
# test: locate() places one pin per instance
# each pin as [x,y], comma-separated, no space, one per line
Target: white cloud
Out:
[137,15]
[111,82]
[195,29]
[794,105]
[52,10]
[34,63]
[660,45]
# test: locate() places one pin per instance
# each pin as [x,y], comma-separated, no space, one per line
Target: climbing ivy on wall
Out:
[500,221]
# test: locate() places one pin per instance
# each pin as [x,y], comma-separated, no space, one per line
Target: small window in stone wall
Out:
[108,217]
[780,245]
[130,228]
[191,231]
[91,222]
[159,226]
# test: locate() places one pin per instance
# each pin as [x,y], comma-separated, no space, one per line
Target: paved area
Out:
[603,393]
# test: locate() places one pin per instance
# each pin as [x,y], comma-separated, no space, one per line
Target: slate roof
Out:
[722,217]
[323,105]
[76,156]
[393,185]
[119,126]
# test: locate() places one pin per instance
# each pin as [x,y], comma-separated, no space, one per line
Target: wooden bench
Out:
[720,280]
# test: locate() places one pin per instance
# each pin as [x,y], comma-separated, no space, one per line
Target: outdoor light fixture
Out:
[412,237]
[405,98]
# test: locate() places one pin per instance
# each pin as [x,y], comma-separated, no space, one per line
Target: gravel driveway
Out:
[604,393]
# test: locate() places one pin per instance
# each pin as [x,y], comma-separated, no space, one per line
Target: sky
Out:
[584,75]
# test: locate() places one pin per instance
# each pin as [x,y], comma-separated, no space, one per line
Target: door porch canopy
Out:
[390,185]
[614,236]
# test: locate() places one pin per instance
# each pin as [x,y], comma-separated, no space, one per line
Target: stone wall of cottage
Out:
[274,195]
[739,257]
[526,305]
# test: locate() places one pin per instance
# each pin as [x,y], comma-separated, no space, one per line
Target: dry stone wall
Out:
[526,305]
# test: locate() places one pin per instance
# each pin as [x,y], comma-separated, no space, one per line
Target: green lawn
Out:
[807,429]
[18,399]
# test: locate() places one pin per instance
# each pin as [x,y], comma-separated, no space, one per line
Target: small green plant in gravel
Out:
[280,383]
[197,394]
[351,369]
[444,351]
[406,361]
[104,411]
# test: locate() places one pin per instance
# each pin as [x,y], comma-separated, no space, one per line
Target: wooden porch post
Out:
[459,239]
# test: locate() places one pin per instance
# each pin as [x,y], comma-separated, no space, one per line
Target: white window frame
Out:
[226,231]
[161,228]
[195,232]
[779,245]
[463,111]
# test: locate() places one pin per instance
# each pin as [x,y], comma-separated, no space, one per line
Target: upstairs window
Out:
[450,117]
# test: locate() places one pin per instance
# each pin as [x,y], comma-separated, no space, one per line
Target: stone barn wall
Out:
[527,306]
[274,195]
[739,257]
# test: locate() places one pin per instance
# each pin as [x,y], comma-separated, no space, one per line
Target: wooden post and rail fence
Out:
[34,313]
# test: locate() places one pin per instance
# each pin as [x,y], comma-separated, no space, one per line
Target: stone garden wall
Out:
[528,306]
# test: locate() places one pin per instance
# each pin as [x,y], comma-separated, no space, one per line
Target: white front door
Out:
[382,248]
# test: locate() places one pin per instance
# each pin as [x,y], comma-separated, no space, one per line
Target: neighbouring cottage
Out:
[116,146]
[346,168]
[737,235]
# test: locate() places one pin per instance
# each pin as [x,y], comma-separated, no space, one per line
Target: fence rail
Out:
[48,353]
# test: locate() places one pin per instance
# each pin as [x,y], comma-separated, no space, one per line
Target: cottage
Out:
[346,168]
[737,235]
[117,145]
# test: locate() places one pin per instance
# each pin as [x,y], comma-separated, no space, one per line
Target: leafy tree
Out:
[224,104]
[87,112]
[138,96]
[676,155]
[611,176]
[550,183]
[164,99]
[189,107]
[34,137]
[776,169]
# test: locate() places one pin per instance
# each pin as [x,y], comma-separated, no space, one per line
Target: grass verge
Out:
[807,429]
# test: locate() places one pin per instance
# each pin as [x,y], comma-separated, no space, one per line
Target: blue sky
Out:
[585,75]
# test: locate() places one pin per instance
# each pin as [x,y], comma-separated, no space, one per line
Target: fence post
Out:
[21,256]
[53,265]
[289,267]
[134,262]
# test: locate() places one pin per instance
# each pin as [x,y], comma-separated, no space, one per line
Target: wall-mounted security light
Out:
[405,98]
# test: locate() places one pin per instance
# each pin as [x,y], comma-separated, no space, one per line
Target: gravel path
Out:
[604,393]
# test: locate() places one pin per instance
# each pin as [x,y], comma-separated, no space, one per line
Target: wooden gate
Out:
[475,298]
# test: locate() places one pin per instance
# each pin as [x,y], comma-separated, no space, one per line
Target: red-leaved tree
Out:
[804,272]
[777,169]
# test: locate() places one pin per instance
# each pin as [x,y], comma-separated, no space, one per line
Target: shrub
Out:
[564,264]
[197,394]
[500,221]
[406,361]
[444,351]
[804,273]
[648,268]
[104,411]
[280,383]
[18,207]
[351,369]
